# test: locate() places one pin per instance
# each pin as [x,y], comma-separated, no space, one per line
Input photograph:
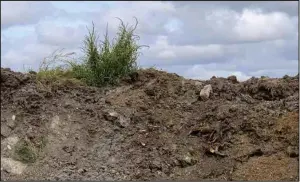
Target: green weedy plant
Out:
[109,62]
[25,152]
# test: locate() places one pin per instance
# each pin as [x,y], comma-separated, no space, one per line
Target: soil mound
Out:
[154,126]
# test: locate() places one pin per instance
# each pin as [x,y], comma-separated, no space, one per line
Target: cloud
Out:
[163,53]
[251,26]
[59,33]
[193,39]
[289,7]
[216,25]
[29,53]
[24,12]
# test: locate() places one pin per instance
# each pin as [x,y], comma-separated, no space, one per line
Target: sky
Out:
[196,40]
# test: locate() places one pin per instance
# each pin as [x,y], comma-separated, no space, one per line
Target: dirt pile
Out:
[154,126]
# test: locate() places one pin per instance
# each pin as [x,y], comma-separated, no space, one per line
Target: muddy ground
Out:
[155,126]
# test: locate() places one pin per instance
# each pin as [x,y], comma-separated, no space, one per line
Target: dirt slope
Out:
[154,126]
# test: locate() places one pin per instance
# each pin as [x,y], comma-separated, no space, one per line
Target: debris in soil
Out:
[154,126]
[215,151]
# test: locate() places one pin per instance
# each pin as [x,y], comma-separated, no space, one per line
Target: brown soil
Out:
[154,126]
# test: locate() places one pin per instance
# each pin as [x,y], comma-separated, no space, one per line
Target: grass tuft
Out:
[25,152]
[104,63]
[112,60]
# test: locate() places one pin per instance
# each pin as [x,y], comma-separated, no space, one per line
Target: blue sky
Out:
[192,39]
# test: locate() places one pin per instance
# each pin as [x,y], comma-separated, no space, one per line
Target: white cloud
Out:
[23,12]
[254,25]
[163,52]
[58,34]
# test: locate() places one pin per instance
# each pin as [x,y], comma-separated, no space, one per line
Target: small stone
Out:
[5,130]
[292,152]
[81,171]
[123,122]
[111,116]
[11,123]
[9,147]
[117,119]
[205,92]
[187,160]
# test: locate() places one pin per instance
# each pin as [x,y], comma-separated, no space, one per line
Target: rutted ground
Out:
[154,126]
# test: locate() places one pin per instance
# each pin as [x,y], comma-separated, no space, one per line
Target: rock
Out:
[292,151]
[205,92]
[81,171]
[187,160]
[117,119]
[233,79]
[12,166]
[5,130]
[12,122]
[122,122]
[111,116]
